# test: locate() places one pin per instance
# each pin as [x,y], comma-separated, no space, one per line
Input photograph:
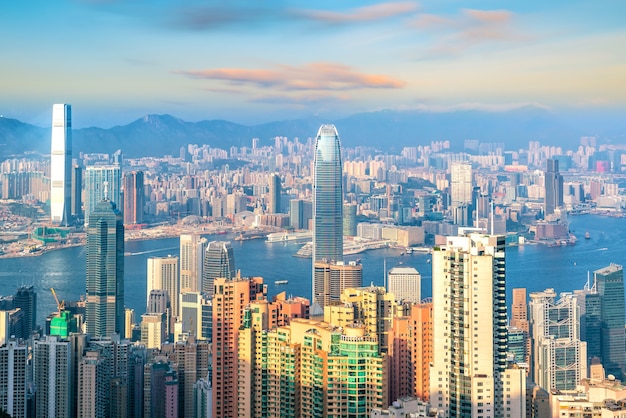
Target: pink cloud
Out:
[362,14]
[320,76]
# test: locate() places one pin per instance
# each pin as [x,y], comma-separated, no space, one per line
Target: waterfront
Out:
[532,266]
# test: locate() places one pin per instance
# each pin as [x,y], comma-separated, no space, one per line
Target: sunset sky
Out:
[257,61]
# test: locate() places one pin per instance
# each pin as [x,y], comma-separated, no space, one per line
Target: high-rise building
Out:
[153,329]
[461,183]
[405,284]
[228,316]
[468,371]
[327,200]
[196,315]
[349,220]
[559,357]
[192,248]
[93,389]
[14,378]
[77,191]
[609,282]
[105,271]
[307,369]
[300,213]
[26,300]
[219,261]
[102,182]
[275,190]
[133,198]
[163,274]
[553,187]
[61,165]
[52,376]
[331,278]
[519,327]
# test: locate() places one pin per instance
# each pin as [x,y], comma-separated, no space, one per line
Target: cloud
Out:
[320,76]
[485,107]
[469,29]
[374,12]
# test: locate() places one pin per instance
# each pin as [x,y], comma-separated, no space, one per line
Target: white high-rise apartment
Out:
[13,381]
[61,164]
[468,374]
[52,376]
[192,247]
[163,275]
[405,284]
[461,183]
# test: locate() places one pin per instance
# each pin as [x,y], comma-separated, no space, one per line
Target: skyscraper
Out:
[102,182]
[13,378]
[327,199]
[26,300]
[61,164]
[273,205]
[609,282]
[77,191]
[331,278]
[468,371]
[553,186]
[105,271]
[191,260]
[405,283]
[219,261]
[163,274]
[133,198]
[461,183]
[52,376]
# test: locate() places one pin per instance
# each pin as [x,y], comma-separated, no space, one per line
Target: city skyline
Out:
[254,63]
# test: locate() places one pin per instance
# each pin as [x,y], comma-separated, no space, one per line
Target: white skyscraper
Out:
[163,275]
[461,183]
[405,284]
[468,371]
[61,164]
[192,247]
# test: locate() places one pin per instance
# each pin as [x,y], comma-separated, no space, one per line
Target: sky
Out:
[258,61]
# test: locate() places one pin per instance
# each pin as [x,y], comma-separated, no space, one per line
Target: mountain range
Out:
[388,130]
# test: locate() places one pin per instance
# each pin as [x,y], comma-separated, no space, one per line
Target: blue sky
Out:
[257,61]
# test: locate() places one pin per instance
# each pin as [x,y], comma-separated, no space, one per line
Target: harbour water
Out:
[535,267]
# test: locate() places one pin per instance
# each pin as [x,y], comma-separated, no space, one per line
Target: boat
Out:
[587,235]
[289,236]
[279,282]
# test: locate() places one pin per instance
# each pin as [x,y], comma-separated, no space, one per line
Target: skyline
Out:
[115,61]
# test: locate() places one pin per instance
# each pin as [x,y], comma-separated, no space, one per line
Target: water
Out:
[535,267]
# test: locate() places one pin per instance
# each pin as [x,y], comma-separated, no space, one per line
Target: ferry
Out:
[279,282]
[587,235]
[289,236]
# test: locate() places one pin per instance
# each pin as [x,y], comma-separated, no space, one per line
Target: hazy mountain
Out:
[158,135]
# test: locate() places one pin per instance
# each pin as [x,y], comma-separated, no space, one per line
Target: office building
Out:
[327,201]
[163,275]
[228,317]
[14,378]
[154,330]
[61,165]
[609,282]
[559,356]
[349,220]
[553,182]
[26,299]
[469,371]
[105,271]
[405,284]
[52,377]
[461,186]
[192,248]
[519,327]
[102,183]
[300,213]
[196,315]
[331,278]
[219,261]
[133,198]
[275,190]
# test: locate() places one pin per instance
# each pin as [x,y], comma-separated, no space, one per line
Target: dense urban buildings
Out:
[61,165]
[105,271]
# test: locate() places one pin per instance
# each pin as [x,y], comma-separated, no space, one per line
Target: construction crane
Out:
[60,305]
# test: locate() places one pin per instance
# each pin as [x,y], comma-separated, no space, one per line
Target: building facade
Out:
[219,261]
[102,182]
[61,165]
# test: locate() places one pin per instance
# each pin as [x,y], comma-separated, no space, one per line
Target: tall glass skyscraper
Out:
[102,182]
[61,164]
[327,199]
[219,262]
[105,271]
[610,286]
